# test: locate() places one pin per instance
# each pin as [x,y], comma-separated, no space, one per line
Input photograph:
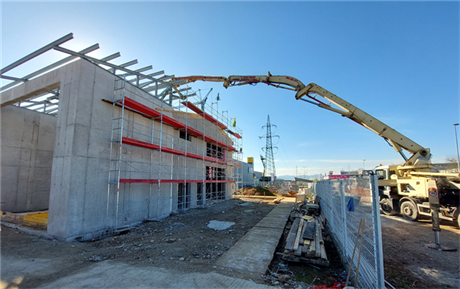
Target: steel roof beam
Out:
[52,111]
[129,63]
[138,70]
[37,52]
[49,67]
[166,77]
[164,85]
[61,49]
[110,57]
[52,108]
[151,74]
[12,78]
[141,85]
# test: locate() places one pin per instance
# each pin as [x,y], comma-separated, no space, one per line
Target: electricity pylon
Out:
[268,160]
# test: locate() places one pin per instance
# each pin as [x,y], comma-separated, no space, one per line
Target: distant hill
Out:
[291,178]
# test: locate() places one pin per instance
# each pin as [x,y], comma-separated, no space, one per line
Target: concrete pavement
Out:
[254,252]
[109,274]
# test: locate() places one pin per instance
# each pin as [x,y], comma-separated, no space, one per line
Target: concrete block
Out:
[47,132]
[193,196]
[61,121]
[10,155]
[40,200]
[164,200]
[23,188]
[59,195]
[12,117]
[42,179]
[101,113]
[30,130]
[64,98]
[99,143]
[70,72]
[76,195]
[9,181]
[85,94]
[44,159]
[95,201]
[25,157]
[71,109]
[80,140]
[69,134]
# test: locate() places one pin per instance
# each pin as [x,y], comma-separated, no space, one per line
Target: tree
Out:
[451,159]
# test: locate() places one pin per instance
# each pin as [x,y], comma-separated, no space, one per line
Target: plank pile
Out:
[305,243]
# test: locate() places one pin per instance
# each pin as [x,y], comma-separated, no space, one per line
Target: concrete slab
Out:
[254,252]
[108,274]
[220,225]
[273,222]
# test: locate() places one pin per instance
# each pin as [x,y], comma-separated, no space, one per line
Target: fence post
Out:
[330,208]
[378,249]
[343,213]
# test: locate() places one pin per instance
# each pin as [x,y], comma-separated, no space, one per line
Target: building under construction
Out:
[106,146]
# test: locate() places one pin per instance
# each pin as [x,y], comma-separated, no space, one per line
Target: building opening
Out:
[183,196]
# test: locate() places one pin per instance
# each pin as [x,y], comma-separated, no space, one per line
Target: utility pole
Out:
[456,144]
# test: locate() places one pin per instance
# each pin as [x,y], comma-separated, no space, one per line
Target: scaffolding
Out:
[191,162]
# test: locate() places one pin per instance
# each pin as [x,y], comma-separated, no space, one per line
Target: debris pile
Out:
[256,191]
[281,276]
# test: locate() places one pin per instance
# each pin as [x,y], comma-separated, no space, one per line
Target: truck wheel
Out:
[409,211]
[387,207]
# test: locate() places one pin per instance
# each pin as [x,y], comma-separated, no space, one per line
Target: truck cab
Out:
[389,197]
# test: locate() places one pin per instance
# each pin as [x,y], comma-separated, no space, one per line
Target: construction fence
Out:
[345,204]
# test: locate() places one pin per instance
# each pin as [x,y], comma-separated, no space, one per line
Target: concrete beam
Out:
[31,88]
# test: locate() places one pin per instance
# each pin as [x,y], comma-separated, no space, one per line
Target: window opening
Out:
[184,135]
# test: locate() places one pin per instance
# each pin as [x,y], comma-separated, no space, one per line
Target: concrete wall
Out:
[27,144]
[84,198]
[248,174]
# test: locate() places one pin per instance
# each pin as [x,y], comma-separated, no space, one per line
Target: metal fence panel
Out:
[336,197]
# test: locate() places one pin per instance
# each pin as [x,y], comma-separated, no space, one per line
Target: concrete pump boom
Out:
[420,157]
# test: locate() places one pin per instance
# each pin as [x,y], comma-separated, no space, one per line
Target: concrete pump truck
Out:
[411,188]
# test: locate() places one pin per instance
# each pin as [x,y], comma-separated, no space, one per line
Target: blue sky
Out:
[398,61]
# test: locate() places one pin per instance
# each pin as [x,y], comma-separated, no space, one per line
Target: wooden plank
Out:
[312,248]
[317,244]
[323,252]
[306,249]
[315,261]
[299,233]
[309,232]
[298,251]
[321,241]
[292,235]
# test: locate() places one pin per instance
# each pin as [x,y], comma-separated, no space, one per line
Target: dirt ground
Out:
[409,264]
[184,243]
